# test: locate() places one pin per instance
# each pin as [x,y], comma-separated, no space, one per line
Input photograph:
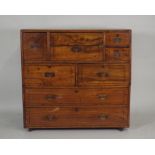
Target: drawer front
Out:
[65,39]
[49,75]
[77,53]
[72,97]
[51,97]
[102,75]
[70,117]
[117,55]
[114,96]
[117,39]
[34,46]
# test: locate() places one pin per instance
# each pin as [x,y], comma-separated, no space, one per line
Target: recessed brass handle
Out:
[102,74]
[101,46]
[117,54]
[51,97]
[102,96]
[35,45]
[50,117]
[76,49]
[103,116]
[49,74]
[117,39]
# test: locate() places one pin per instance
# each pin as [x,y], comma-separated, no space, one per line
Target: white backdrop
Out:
[143,73]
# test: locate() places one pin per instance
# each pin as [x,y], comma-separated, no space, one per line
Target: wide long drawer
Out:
[75,117]
[72,97]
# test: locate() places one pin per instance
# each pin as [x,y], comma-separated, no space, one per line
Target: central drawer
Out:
[67,117]
[77,46]
[71,97]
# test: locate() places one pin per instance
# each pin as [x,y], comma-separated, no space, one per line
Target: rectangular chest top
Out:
[75,30]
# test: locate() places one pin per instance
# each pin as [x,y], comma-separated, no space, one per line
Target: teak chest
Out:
[76,78]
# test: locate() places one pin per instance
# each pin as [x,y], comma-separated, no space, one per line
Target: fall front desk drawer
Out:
[72,97]
[102,75]
[61,39]
[77,46]
[49,75]
[68,117]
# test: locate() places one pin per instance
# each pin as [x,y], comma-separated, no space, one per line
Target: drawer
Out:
[101,97]
[72,97]
[103,75]
[77,53]
[61,39]
[117,39]
[117,55]
[74,117]
[49,75]
[50,97]
[34,45]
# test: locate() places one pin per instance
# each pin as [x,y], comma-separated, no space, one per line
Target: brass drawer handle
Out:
[101,46]
[117,54]
[76,49]
[103,117]
[35,45]
[102,96]
[102,74]
[49,74]
[50,117]
[51,97]
[117,40]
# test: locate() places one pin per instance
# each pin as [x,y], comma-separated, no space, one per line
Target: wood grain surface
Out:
[76,78]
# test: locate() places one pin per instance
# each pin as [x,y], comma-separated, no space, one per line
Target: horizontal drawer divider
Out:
[71,62]
[76,106]
[81,87]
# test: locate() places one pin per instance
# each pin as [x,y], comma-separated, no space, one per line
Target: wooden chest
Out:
[76,78]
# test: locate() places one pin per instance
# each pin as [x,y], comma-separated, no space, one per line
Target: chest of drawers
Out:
[76,78]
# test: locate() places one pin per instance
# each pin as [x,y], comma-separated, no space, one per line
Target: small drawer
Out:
[72,97]
[49,75]
[34,45]
[117,39]
[76,117]
[103,75]
[77,53]
[65,39]
[117,55]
